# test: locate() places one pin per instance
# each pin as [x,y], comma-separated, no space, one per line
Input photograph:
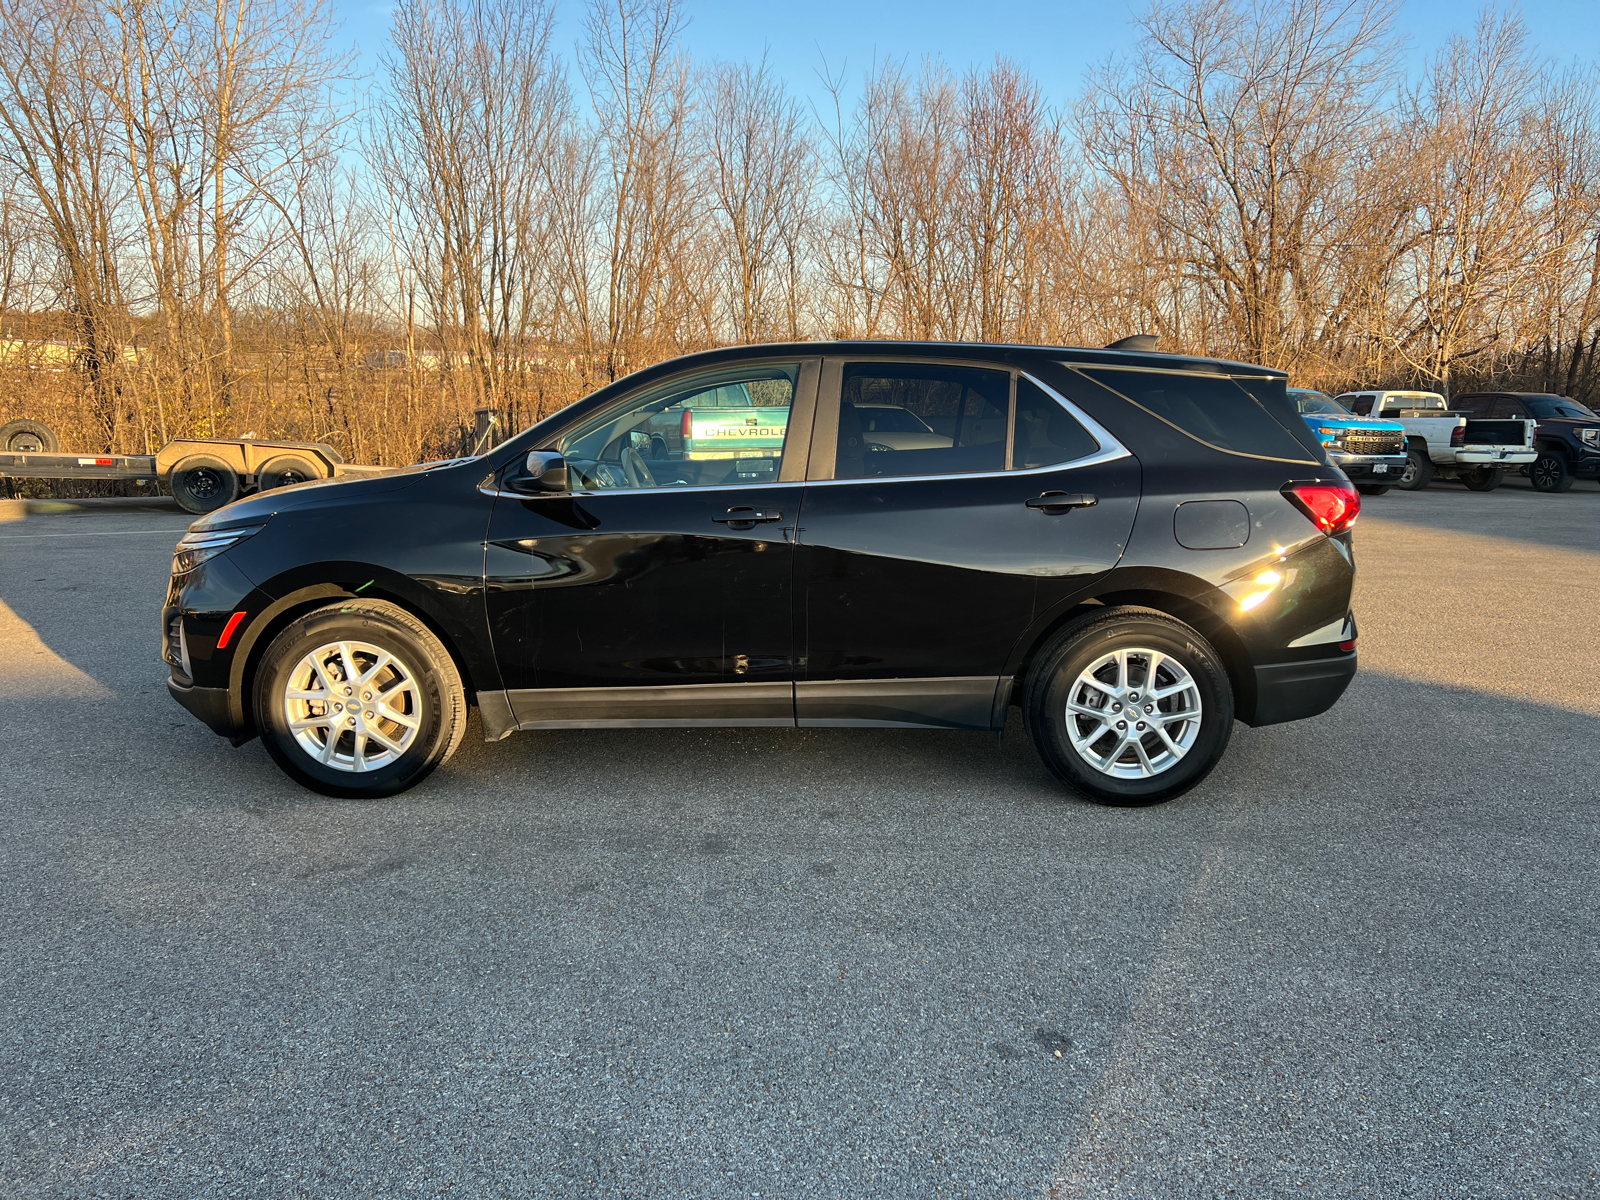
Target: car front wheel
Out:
[1129,707]
[359,700]
[1550,472]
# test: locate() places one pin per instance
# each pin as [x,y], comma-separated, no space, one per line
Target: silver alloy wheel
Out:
[1408,473]
[353,706]
[1133,713]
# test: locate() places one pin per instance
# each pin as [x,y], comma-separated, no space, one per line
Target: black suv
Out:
[1567,435]
[1134,548]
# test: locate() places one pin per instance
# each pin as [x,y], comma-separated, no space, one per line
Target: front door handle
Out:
[1060,502]
[743,518]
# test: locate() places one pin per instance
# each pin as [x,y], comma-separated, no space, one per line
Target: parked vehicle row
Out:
[1408,438]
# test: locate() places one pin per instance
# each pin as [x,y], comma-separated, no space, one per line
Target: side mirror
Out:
[544,471]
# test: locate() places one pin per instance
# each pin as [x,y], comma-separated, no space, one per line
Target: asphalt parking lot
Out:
[1360,960]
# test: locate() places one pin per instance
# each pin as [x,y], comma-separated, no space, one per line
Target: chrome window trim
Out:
[655,491]
[1110,450]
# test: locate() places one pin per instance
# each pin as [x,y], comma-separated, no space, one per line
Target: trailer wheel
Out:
[286,469]
[28,437]
[202,483]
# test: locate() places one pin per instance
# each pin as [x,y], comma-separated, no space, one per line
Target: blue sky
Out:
[1055,42]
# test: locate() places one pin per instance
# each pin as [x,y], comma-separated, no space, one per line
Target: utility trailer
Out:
[203,473]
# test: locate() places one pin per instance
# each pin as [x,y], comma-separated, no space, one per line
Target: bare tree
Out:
[641,89]
[1238,127]
[465,141]
[761,171]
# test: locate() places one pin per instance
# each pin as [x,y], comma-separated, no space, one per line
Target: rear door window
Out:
[1210,408]
[899,419]
[1046,433]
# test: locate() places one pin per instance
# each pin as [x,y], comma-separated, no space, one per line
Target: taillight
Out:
[1332,507]
[688,424]
[1458,436]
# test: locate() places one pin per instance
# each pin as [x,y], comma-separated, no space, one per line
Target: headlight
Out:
[196,548]
[1331,437]
[1590,436]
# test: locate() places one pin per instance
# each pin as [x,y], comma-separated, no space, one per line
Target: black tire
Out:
[287,469]
[1056,673]
[1550,472]
[23,436]
[1483,479]
[1373,489]
[440,702]
[1418,471]
[203,483]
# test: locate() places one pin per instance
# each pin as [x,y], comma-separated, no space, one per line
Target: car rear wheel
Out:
[1550,472]
[359,700]
[1418,471]
[1483,479]
[1129,707]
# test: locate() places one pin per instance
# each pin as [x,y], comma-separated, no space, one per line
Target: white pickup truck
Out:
[1445,444]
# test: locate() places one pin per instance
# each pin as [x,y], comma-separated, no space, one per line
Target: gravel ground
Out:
[1360,960]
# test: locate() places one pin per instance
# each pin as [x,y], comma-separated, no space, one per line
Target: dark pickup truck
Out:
[1567,435]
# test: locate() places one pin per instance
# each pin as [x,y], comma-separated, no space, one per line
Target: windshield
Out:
[1308,401]
[1414,401]
[1556,406]
[876,418]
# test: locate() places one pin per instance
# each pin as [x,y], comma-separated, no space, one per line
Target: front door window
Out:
[723,428]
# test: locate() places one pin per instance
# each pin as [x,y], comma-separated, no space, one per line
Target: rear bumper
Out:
[209,704]
[1294,691]
[1475,457]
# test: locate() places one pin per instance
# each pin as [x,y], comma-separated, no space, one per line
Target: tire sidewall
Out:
[1561,473]
[1418,472]
[178,481]
[318,629]
[1060,669]
[269,478]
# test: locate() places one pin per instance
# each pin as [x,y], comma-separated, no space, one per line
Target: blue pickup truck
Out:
[1372,453]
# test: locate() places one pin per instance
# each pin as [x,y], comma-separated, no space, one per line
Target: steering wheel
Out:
[633,466]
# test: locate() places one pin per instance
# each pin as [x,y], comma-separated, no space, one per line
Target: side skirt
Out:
[953,702]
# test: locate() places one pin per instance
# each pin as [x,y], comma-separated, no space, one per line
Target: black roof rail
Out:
[1145,342]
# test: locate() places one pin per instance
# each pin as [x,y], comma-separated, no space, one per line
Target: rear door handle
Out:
[746,517]
[1060,502]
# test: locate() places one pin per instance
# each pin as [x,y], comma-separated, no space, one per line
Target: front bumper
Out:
[209,704]
[1294,691]
[1369,466]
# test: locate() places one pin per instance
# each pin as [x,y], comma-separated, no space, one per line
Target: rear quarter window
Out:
[1212,408]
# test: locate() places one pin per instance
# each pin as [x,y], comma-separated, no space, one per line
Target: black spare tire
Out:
[203,483]
[23,436]
[287,469]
